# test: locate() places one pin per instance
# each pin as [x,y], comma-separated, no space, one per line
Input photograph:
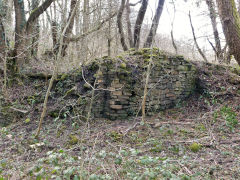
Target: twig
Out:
[54,72]
[174,123]
[19,110]
[130,128]
[98,89]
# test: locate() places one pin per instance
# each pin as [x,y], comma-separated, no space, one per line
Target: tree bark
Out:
[120,25]
[37,12]
[34,37]
[139,21]
[86,21]
[2,31]
[239,7]
[70,26]
[213,17]
[231,25]
[23,28]
[155,23]
[78,31]
[109,35]
[129,25]
[20,23]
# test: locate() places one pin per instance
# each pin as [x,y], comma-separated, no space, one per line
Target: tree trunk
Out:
[109,36]
[8,21]
[213,17]
[23,28]
[70,26]
[120,25]
[56,43]
[129,25]
[20,23]
[239,7]
[2,39]
[139,21]
[86,21]
[231,25]
[78,31]
[155,23]
[2,31]
[35,31]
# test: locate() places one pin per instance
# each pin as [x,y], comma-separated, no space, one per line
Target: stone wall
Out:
[120,83]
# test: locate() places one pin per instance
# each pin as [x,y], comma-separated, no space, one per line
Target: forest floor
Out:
[198,139]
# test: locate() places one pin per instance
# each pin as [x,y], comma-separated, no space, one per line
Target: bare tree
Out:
[65,31]
[120,25]
[213,17]
[231,25]
[24,27]
[85,24]
[129,25]
[195,39]
[172,25]
[34,36]
[155,23]
[109,35]
[139,22]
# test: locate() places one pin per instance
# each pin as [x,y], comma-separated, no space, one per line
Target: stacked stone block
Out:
[172,79]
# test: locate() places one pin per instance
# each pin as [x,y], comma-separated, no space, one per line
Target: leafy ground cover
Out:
[198,139]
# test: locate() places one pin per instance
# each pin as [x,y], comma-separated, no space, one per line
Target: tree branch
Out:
[134,4]
[79,37]
[195,39]
[37,12]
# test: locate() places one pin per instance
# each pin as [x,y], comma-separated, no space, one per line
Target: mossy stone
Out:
[27,120]
[195,147]
[87,86]
[73,139]
[123,65]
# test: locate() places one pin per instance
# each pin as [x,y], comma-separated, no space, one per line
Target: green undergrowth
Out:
[198,139]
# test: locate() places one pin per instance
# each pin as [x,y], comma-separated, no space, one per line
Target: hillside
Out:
[197,138]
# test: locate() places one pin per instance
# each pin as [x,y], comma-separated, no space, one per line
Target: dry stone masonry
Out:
[120,83]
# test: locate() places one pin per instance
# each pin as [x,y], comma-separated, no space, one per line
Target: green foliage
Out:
[230,117]
[156,148]
[115,136]
[195,147]
[175,149]
[27,120]
[73,139]
[123,65]
[4,131]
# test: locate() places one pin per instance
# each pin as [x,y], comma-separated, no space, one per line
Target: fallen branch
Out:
[173,123]
[130,128]
[19,110]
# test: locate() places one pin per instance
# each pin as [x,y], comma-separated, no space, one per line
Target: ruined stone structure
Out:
[120,83]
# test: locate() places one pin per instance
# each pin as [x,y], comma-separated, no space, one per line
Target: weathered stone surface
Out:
[117,93]
[172,79]
[118,107]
